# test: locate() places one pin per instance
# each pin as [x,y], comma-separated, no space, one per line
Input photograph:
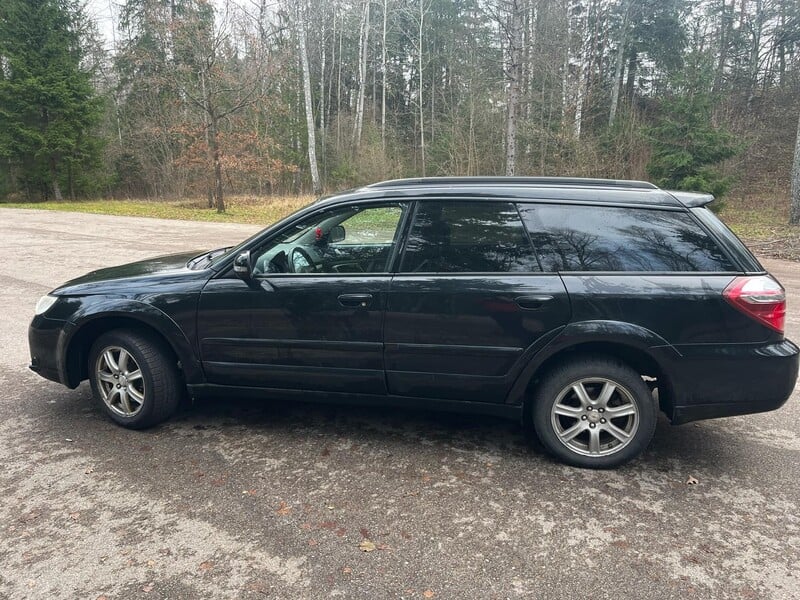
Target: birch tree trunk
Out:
[322,107]
[363,43]
[213,123]
[512,90]
[383,77]
[794,219]
[57,195]
[582,81]
[419,69]
[618,65]
[757,30]
[725,25]
[339,89]
[312,138]
[565,68]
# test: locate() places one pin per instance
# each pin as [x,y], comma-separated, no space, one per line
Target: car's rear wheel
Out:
[134,378]
[594,412]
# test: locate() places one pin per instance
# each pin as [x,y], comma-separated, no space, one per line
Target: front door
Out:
[312,317]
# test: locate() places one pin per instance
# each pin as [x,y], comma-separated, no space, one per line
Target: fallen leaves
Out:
[428,593]
[206,566]
[691,481]
[283,509]
[369,546]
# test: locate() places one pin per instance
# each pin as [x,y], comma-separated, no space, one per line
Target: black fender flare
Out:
[634,337]
[95,308]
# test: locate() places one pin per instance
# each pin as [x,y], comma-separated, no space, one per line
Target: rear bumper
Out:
[711,381]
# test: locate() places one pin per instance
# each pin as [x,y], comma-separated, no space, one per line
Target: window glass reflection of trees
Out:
[476,237]
[582,238]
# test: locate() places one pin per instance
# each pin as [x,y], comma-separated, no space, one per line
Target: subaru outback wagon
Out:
[581,306]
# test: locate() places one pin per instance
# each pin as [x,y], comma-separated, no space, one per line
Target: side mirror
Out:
[242,267]
[336,234]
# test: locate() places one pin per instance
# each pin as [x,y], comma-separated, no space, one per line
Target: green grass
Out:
[240,209]
[762,221]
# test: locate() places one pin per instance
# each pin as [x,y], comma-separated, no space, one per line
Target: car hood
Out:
[139,274]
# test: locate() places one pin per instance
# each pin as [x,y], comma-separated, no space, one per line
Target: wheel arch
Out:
[77,345]
[644,351]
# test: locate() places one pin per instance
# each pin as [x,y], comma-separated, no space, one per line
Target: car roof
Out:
[568,189]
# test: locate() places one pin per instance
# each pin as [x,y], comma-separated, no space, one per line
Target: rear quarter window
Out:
[598,238]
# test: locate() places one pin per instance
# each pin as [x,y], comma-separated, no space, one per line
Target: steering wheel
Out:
[298,257]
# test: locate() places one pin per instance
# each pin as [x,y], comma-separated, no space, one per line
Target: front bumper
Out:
[45,339]
[711,381]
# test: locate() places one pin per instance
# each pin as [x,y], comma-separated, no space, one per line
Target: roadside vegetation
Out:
[240,209]
[236,106]
[761,221]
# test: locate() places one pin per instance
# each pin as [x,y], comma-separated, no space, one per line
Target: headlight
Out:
[44,304]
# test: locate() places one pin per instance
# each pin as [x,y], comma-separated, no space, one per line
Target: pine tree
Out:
[48,107]
[687,146]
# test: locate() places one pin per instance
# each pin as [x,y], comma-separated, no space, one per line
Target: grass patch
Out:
[240,209]
[762,221]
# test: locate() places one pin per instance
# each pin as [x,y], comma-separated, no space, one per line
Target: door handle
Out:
[533,302]
[355,300]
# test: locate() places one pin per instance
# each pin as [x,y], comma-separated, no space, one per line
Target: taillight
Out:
[760,297]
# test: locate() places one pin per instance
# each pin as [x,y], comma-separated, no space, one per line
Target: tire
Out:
[578,427]
[151,390]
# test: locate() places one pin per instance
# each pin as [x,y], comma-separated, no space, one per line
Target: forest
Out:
[206,99]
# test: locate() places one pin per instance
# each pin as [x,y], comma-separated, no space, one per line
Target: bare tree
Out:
[515,40]
[794,219]
[206,83]
[310,125]
[420,72]
[383,76]
[618,64]
[363,45]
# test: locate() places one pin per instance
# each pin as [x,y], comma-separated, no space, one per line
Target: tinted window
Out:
[594,238]
[467,237]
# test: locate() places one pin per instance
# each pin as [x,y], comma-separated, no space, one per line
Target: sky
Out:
[101,11]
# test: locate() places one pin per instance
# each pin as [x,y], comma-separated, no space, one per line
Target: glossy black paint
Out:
[295,332]
[470,342]
[463,336]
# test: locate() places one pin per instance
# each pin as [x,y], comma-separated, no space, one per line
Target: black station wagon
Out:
[583,306]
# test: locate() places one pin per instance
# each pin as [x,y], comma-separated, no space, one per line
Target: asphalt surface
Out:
[244,499]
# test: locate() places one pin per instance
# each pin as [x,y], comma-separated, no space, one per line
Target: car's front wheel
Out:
[594,412]
[134,378]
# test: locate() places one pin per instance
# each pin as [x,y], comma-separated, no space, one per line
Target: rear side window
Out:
[596,238]
[467,237]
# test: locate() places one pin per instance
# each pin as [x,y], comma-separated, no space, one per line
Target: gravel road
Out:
[244,499]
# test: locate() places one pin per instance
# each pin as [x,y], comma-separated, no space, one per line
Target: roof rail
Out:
[543,181]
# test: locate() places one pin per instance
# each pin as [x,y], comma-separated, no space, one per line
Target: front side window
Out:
[344,240]
[598,238]
[467,237]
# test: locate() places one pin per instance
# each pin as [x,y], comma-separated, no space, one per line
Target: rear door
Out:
[468,304]
[657,268]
